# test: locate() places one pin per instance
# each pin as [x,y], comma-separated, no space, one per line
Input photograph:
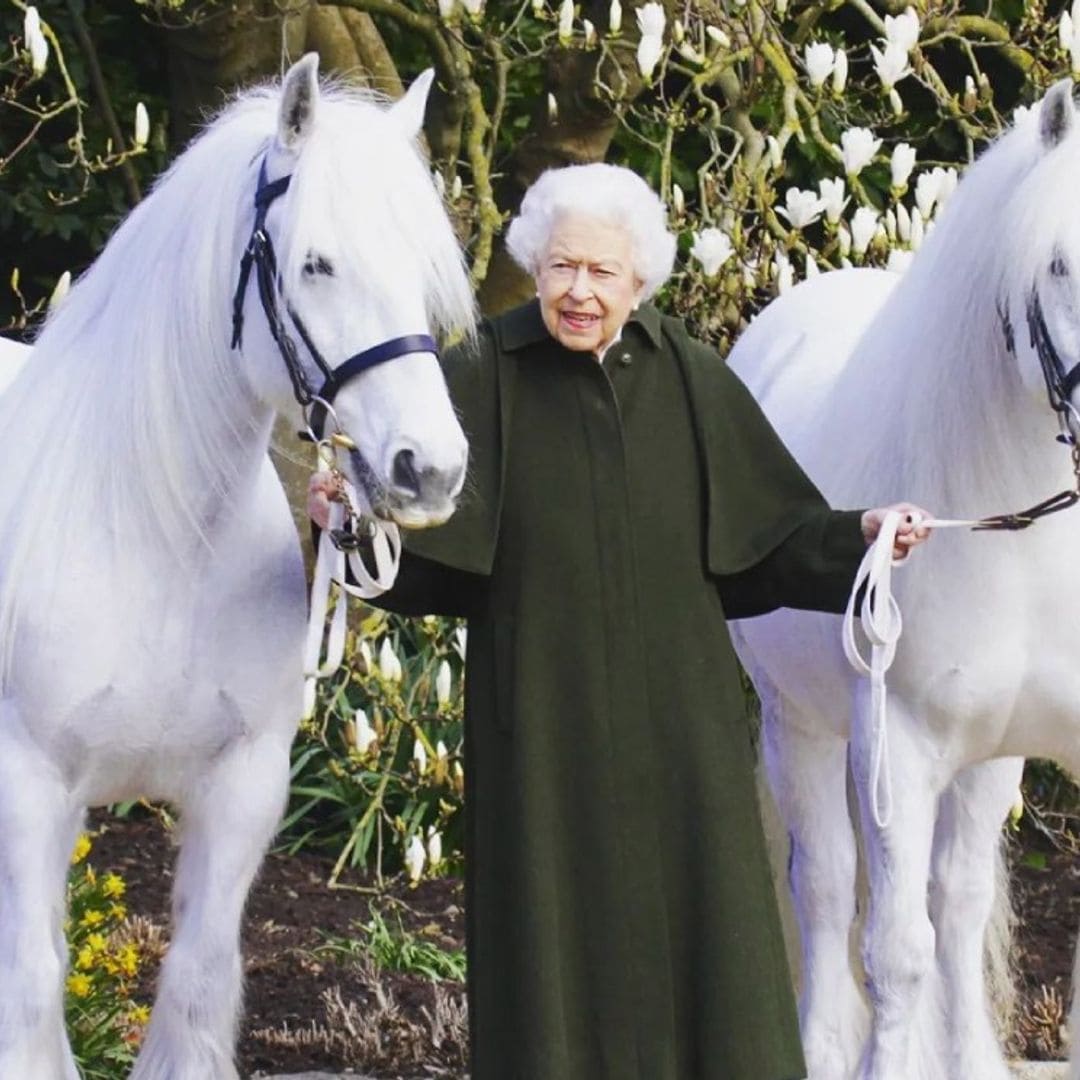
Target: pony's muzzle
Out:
[421,492]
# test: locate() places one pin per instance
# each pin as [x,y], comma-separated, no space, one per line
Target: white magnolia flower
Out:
[896,102]
[142,125]
[926,192]
[553,107]
[566,21]
[776,151]
[1021,113]
[446,9]
[474,7]
[899,260]
[419,756]
[881,237]
[833,198]
[538,8]
[615,17]
[890,225]
[947,182]
[901,163]
[36,44]
[918,230]
[365,655]
[60,289]
[858,147]
[839,72]
[691,55]
[750,270]
[650,18]
[714,33]
[903,30]
[440,751]
[780,7]
[414,858]
[891,65]
[819,59]
[903,223]
[389,664]
[678,31]
[1069,36]
[712,248]
[590,34]
[443,683]
[678,201]
[363,733]
[812,270]
[801,208]
[434,846]
[843,240]
[440,183]
[784,272]
[461,635]
[971,97]
[455,188]
[864,223]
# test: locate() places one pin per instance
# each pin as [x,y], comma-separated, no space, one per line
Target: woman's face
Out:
[586,282]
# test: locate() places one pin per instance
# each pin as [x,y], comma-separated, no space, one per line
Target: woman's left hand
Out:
[909,533]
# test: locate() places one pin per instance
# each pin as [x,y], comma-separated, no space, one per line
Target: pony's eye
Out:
[1058,267]
[318,264]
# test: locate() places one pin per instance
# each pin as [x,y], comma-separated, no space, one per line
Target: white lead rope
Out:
[330,572]
[882,624]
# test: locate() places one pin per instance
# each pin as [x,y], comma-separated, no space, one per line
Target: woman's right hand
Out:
[323,488]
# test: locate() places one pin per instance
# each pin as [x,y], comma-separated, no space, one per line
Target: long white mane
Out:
[119,424]
[932,364]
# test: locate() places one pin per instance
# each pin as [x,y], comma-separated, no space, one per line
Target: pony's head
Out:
[1039,269]
[364,265]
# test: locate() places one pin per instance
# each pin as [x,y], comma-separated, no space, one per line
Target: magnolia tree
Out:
[50,155]
[785,140]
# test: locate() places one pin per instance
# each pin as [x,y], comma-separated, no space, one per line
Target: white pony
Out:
[152,600]
[929,388]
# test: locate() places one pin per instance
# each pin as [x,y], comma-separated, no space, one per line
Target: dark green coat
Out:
[622,922]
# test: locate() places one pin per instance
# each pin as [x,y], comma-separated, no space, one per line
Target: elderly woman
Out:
[627,497]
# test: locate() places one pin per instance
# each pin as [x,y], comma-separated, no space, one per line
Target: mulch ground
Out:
[308,1008]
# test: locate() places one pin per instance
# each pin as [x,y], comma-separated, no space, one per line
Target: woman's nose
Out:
[579,287]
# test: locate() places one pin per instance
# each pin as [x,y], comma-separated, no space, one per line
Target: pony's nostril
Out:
[404,472]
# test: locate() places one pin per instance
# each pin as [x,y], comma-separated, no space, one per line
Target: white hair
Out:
[609,193]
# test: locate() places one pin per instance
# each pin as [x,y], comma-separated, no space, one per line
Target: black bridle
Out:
[1060,381]
[259,255]
[1060,384]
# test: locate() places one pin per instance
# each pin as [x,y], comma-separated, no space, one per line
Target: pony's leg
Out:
[808,775]
[38,826]
[966,877]
[228,822]
[898,945]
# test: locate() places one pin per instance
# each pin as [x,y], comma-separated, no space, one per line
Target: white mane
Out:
[932,364]
[121,422]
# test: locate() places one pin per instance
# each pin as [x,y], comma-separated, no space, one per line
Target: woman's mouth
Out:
[579,320]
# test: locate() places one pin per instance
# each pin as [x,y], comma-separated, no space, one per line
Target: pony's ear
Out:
[299,98]
[408,112]
[1057,113]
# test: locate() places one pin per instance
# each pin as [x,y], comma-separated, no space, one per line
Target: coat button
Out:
[626,359]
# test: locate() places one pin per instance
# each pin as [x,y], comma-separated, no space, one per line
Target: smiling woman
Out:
[622,921]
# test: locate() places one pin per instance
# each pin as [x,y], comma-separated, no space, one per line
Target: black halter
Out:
[1060,383]
[259,254]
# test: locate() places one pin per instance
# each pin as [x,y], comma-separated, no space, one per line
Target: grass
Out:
[398,950]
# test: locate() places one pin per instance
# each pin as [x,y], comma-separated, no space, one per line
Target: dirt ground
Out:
[311,1009]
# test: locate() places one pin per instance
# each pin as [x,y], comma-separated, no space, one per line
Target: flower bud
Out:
[443,683]
[142,125]
[415,857]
